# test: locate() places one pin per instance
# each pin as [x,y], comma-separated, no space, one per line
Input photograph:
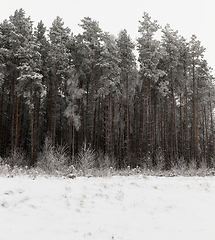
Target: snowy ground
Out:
[134,207]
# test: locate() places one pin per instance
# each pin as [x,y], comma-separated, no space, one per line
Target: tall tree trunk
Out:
[87,117]
[203,137]
[175,133]
[32,126]
[155,132]
[172,133]
[206,135]
[73,143]
[92,105]
[110,123]
[18,101]
[150,122]
[106,125]
[187,155]
[17,122]
[99,127]
[174,138]
[167,155]
[13,98]
[122,133]
[127,124]
[197,124]
[212,126]
[70,138]
[181,135]
[37,120]
[55,107]
[95,133]
[83,122]
[136,135]
[195,137]
[161,125]
[144,114]
[1,118]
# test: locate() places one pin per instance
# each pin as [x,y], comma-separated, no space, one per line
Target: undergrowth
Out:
[72,172]
[54,161]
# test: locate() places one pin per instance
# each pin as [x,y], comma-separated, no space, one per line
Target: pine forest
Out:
[144,103]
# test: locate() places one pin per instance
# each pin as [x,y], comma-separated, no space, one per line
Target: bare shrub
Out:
[52,159]
[16,158]
[160,161]
[145,162]
[182,164]
[86,159]
[105,162]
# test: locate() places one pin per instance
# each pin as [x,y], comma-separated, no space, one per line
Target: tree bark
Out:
[187,155]
[212,126]
[195,137]
[55,107]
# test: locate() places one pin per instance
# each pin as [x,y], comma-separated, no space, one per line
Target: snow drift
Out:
[121,208]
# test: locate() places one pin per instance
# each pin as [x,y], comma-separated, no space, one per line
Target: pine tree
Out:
[182,76]
[20,35]
[127,82]
[6,79]
[149,55]
[87,88]
[30,85]
[71,112]
[3,74]
[41,102]
[196,55]
[109,88]
[59,61]
[92,40]
[170,43]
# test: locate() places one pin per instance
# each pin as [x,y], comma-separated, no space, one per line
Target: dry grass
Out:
[54,161]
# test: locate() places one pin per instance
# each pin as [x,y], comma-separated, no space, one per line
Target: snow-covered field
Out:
[133,207]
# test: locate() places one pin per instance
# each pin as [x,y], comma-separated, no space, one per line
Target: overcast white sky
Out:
[187,16]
